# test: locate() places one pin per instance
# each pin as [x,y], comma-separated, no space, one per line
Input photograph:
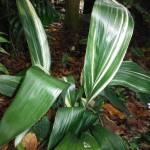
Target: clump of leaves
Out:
[74,125]
[137,141]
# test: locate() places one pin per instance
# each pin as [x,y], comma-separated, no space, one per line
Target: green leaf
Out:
[86,122]
[145,98]
[35,96]
[3,51]
[72,142]
[110,32]
[137,51]
[20,147]
[108,140]
[83,41]
[110,95]
[132,76]
[42,128]
[35,34]
[2,33]
[4,40]
[65,59]
[99,101]
[20,137]
[69,95]
[79,93]
[67,119]
[3,69]
[9,84]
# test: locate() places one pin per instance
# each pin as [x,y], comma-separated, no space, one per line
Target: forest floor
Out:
[67,55]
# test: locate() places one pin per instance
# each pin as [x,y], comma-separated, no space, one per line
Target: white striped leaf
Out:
[35,34]
[69,95]
[36,95]
[109,36]
[132,76]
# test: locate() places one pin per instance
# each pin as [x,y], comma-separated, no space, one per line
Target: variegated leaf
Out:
[132,76]
[109,36]
[69,94]
[35,34]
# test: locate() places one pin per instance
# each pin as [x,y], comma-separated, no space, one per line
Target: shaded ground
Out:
[65,42]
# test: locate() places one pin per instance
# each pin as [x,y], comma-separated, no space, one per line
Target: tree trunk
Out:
[72,13]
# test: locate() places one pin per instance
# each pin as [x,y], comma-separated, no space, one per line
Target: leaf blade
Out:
[9,84]
[35,34]
[106,139]
[110,32]
[4,40]
[108,93]
[70,141]
[69,95]
[132,76]
[36,94]
[3,69]
[66,119]
[87,121]
[3,51]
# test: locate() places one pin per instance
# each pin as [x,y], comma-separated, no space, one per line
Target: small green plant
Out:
[65,59]
[3,40]
[135,142]
[75,125]
[137,51]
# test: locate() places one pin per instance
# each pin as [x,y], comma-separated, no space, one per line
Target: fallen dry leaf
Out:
[5,147]
[92,103]
[137,125]
[113,111]
[112,126]
[132,122]
[51,114]
[30,141]
[121,129]
[144,146]
[145,113]
[142,127]
[66,72]
[138,104]
[132,107]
